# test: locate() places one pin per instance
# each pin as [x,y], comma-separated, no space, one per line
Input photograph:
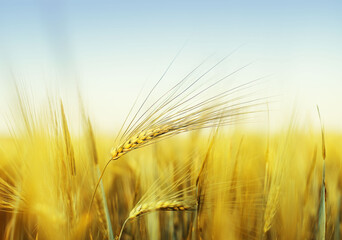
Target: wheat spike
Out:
[139,140]
[68,143]
[161,206]
[181,110]
[163,195]
[178,112]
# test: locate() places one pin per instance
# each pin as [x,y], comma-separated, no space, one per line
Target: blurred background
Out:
[110,51]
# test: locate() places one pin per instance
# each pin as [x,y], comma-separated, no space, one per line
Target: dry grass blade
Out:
[322,222]
[338,220]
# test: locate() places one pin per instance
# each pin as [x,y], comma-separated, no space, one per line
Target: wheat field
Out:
[184,169]
[170,120]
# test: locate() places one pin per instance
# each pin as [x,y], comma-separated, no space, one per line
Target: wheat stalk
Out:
[322,212]
[101,202]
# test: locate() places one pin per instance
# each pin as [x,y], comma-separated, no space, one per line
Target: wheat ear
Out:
[140,139]
[157,206]
[177,112]
[163,195]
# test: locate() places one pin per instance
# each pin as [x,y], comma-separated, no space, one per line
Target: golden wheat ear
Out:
[188,106]
[182,110]
[206,114]
[165,194]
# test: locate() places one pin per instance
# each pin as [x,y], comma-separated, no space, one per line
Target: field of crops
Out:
[184,169]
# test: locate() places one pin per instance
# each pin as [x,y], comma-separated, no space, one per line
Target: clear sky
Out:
[110,49]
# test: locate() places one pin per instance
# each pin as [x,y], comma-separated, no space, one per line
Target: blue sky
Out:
[110,49]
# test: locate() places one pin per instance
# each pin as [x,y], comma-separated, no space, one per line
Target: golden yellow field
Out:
[170,120]
[222,182]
